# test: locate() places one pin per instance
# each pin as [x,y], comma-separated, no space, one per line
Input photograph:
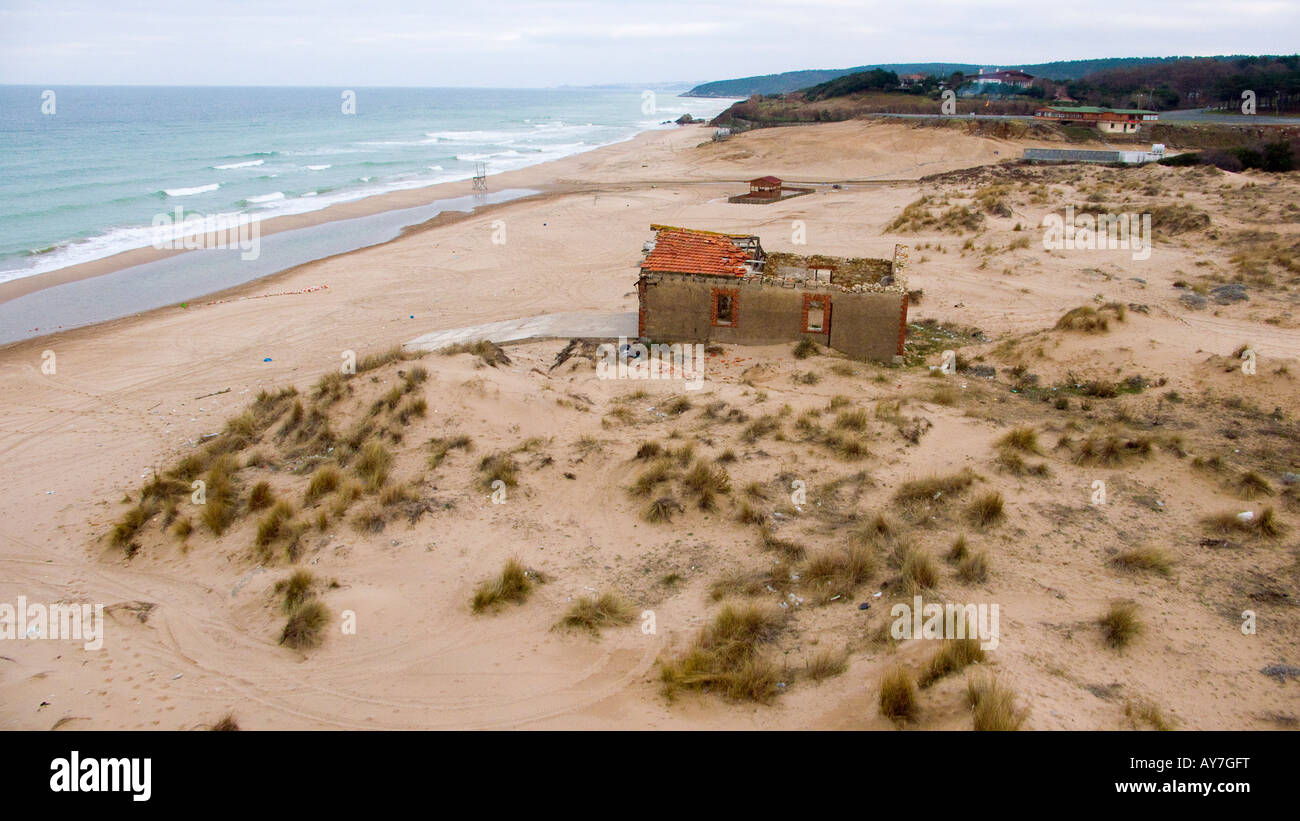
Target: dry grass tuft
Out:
[954,656]
[514,584]
[826,664]
[898,695]
[1120,624]
[993,705]
[726,656]
[592,615]
[373,464]
[1143,559]
[986,510]
[306,625]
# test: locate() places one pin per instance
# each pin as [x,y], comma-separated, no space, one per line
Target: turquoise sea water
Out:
[85,177]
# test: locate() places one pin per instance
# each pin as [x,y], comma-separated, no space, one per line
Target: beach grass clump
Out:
[497,467]
[648,450]
[1087,319]
[305,627]
[826,664]
[805,348]
[657,473]
[1111,450]
[260,497]
[1251,485]
[954,656]
[727,656]
[1120,624]
[917,571]
[595,614]
[898,701]
[993,704]
[225,724]
[513,585]
[986,510]
[759,428]
[349,491]
[124,531]
[748,514]
[440,446]
[1264,524]
[854,420]
[488,353]
[296,589]
[1144,559]
[838,574]
[973,568]
[704,483]
[769,540]
[220,505]
[932,491]
[661,509]
[741,583]
[1023,439]
[1145,712]
[370,518]
[372,465]
[960,549]
[324,481]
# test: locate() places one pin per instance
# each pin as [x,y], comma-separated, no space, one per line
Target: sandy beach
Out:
[192,626]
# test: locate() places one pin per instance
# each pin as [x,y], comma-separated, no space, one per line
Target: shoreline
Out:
[543,180]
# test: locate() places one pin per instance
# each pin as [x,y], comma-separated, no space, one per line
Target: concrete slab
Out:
[574,325]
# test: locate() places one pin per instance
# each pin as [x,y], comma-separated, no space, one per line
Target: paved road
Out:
[1205,115]
[591,325]
[1190,115]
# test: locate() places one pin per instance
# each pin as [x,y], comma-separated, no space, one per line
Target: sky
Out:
[542,43]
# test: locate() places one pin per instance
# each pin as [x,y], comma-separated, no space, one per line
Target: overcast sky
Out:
[525,43]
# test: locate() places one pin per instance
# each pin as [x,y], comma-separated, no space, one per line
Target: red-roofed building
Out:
[699,286]
[686,251]
[769,189]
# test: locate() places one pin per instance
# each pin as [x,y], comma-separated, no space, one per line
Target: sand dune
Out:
[138,394]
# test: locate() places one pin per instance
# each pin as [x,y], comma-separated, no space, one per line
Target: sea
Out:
[86,171]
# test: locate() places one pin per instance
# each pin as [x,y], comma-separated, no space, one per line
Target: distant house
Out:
[1012,77]
[701,286]
[1107,120]
[769,189]
[912,79]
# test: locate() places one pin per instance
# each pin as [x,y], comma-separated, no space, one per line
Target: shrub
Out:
[514,584]
[373,464]
[986,510]
[606,610]
[726,656]
[305,626]
[953,657]
[1120,624]
[1151,559]
[898,695]
[993,705]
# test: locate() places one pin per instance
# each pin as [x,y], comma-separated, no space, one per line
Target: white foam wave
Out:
[186,192]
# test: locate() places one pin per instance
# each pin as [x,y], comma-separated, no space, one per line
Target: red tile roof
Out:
[769,180]
[681,251]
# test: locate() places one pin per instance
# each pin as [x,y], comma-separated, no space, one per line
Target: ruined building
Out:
[701,286]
